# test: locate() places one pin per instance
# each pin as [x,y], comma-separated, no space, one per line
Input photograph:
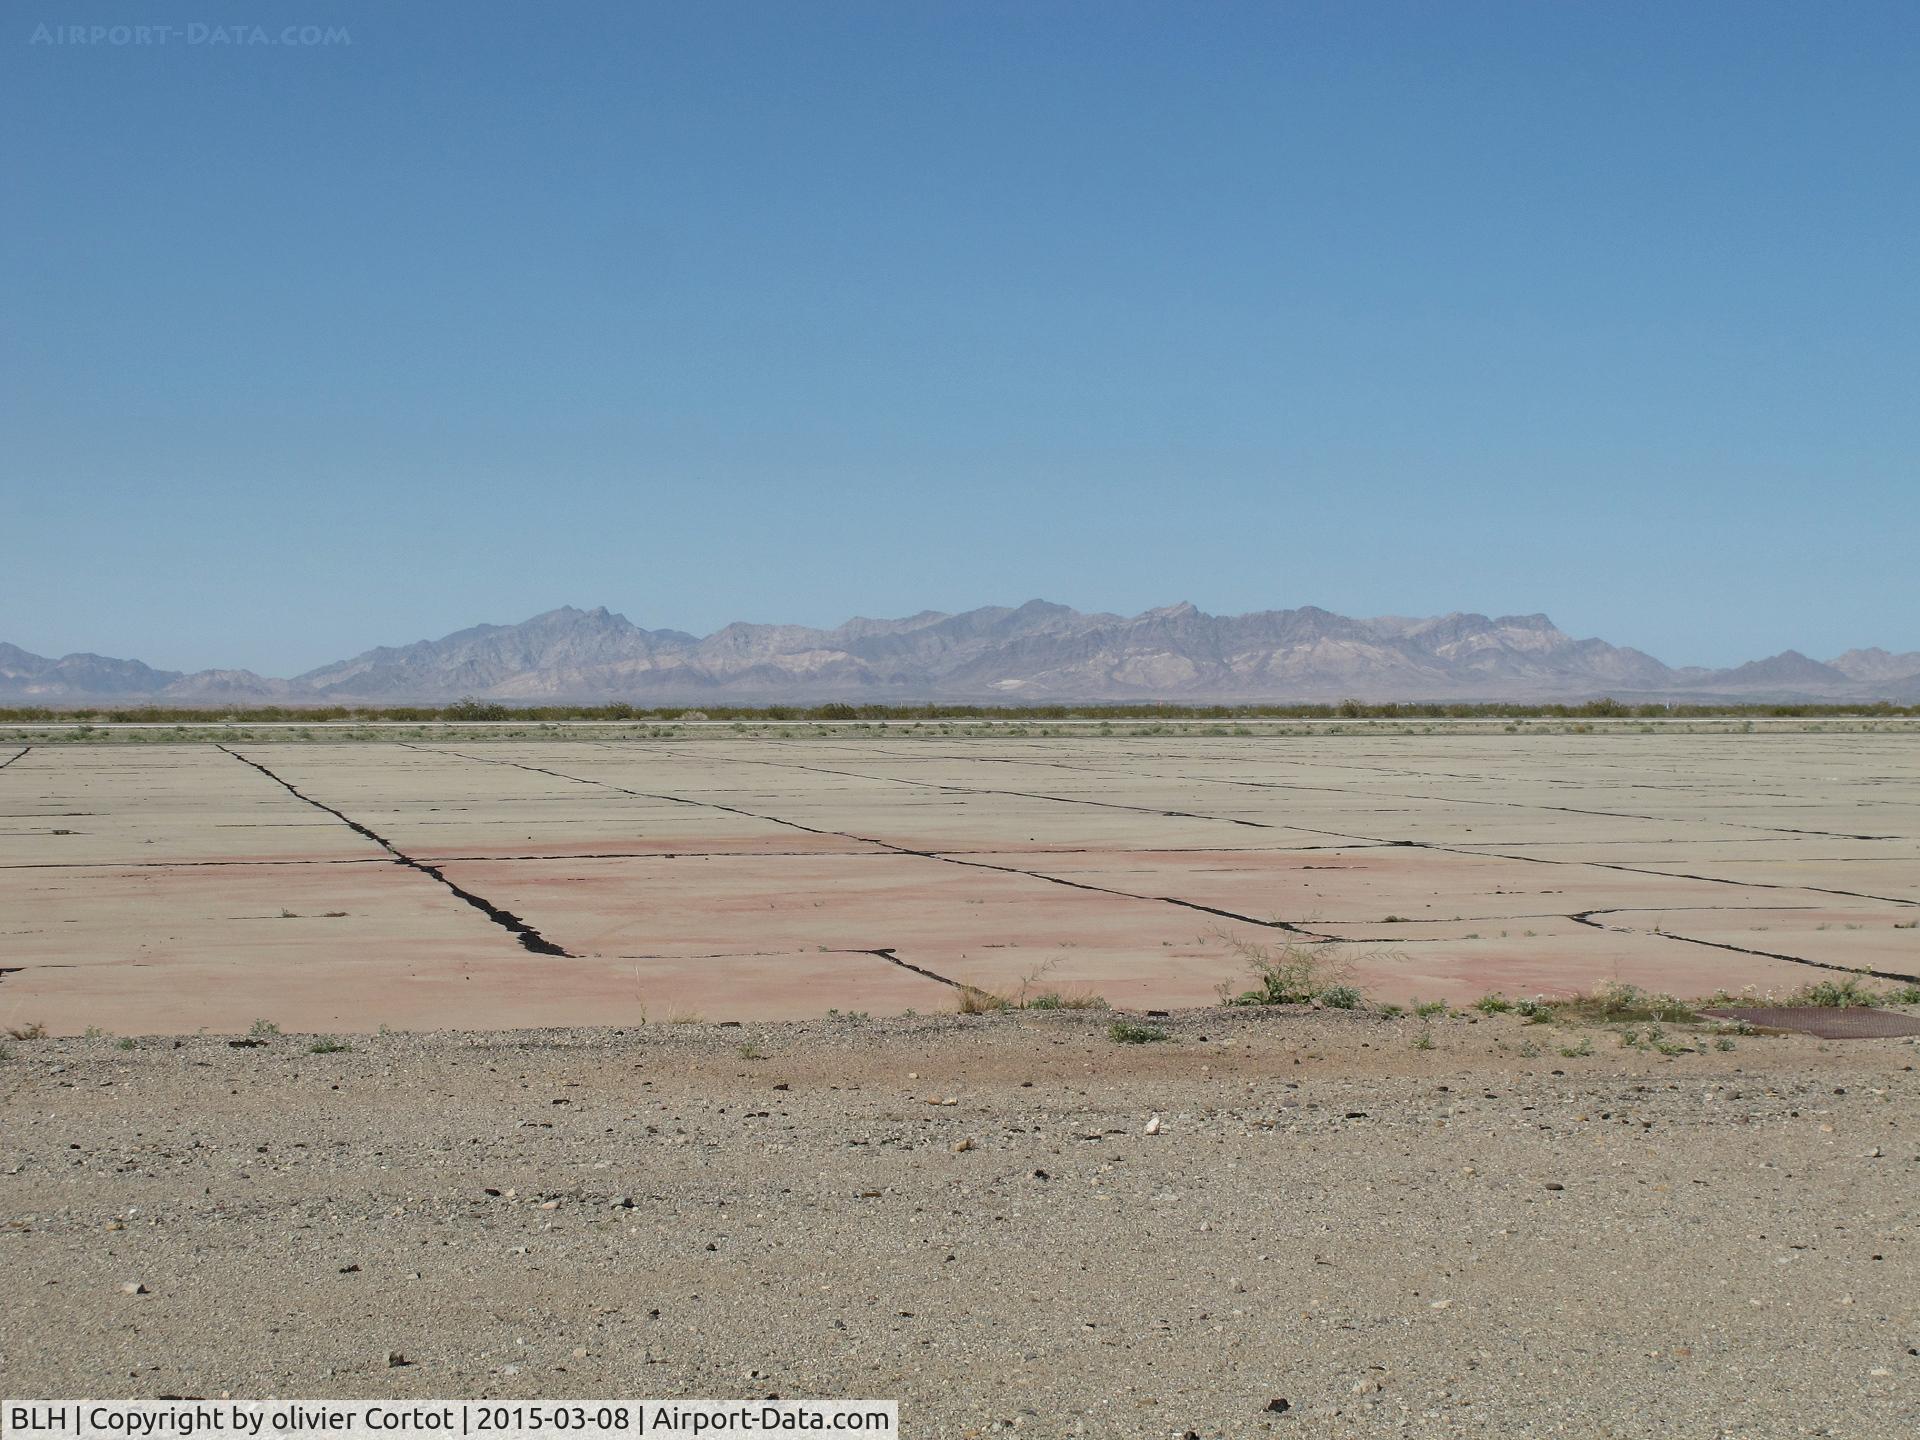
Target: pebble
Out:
[962,1145]
[1153,1126]
[134,1287]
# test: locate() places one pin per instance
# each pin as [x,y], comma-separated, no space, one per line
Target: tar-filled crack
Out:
[944,859]
[1372,840]
[179,864]
[11,758]
[1289,927]
[529,937]
[885,952]
[1479,853]
[1498,804]
[1585,917]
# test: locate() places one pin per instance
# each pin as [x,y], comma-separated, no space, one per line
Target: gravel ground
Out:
[1331,1230]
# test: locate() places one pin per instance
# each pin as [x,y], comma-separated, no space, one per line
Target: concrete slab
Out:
[483,884]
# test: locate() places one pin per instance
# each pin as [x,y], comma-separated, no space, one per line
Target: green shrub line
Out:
[469,708]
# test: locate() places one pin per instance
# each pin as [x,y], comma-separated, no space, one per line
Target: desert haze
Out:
[1037,652]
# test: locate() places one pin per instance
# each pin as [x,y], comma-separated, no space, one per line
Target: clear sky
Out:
[794,311]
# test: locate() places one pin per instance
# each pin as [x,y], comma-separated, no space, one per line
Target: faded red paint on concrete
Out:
[345,886]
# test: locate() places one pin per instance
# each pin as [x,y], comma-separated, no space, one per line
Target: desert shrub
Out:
[1617,1002]
[1126,1032]
[468,708]
[1836,994]
[1054,1000]
[1290,975]
[975,1001]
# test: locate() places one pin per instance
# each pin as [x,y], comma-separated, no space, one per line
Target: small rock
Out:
[395,1360]
[134,1287]
[1555,1185]
[1153,1126]
[1278,1406]
[349,1269]
[962,1145]
[622,1202]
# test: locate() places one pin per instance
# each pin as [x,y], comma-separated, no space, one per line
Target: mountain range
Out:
[1036,653]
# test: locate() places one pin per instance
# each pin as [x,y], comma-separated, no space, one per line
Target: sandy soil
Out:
[468,884]
[1483,1238]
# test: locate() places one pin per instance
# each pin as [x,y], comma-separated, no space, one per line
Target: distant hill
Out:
[1036,653]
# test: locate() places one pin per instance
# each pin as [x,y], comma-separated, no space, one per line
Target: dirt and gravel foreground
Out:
[977,1217]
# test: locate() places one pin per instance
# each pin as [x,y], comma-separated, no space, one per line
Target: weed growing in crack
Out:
[1290,975]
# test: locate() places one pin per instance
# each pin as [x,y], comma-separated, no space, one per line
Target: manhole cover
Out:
[1826,1021]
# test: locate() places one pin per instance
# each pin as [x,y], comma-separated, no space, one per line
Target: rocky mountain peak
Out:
[1037,651]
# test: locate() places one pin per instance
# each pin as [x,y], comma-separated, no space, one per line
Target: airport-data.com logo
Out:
[196,35]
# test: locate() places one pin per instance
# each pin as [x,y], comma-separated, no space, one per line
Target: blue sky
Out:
[787,311]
